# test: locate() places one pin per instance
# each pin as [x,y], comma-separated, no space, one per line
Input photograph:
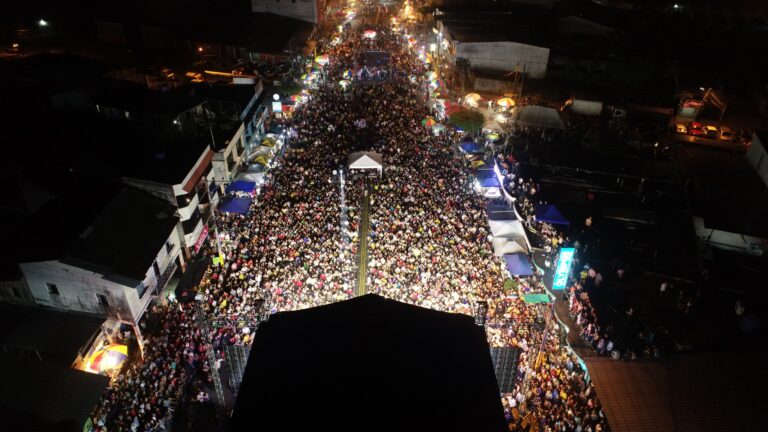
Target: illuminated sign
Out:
[201,239]
[277,106]
[563,269]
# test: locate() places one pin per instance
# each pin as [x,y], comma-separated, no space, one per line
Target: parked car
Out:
[726,134]
[695,129]
[711,131]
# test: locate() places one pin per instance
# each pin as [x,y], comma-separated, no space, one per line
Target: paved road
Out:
[362,264]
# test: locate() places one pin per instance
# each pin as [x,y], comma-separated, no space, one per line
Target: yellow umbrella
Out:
[261,160]
[477,164]
[108,357]
[269,142]
[506,102]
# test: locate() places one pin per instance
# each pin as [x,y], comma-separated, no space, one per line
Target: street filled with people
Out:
[297,246]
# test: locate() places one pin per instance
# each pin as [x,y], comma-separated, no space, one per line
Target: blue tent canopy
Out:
[518,264]
[489,182]
[241,186]
[471,147]
[550,214]
[485,173]
[236,205]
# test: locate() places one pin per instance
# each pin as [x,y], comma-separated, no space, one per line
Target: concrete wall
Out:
[16,292]
[305,10]
[492,85]
[223,171]
[758,157]
[78,290]
[505,56]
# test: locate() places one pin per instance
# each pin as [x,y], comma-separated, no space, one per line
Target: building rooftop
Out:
[138,99]
[262,32]
[43,397]
[692,392]
[54,205]
[57,336]
[421,369]
[123,242]
[726,191]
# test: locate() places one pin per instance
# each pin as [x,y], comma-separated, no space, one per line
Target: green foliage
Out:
[468,120]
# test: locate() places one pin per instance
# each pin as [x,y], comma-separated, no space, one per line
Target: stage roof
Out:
[369,364]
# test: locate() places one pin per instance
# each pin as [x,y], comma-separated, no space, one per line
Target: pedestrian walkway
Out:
[362,256]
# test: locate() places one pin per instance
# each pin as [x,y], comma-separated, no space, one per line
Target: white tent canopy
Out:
[365,161]
[505,228]
[507,245]
[257,177]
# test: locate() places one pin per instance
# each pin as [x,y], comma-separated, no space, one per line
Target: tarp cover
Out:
[518,265]
[256,177]
[536,298]
[539,116]
[489,182]
[550,214]
[365,160]
[236,205]
[241,186]
[500,212]
[485,173]
[471,147]
[501,228]
[503,246]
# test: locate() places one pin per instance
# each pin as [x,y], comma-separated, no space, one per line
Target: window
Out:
[102,300]
[184,200]
[190,224]
[231,162]
[52,288]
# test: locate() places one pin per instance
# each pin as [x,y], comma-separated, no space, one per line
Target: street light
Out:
[42,23]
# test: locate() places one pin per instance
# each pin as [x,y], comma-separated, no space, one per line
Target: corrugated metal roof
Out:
[703,392]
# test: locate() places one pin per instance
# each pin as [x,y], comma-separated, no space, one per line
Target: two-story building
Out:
[239,116]
[117,265]
[182,176]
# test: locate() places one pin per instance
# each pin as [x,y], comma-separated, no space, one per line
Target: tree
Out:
[467,120]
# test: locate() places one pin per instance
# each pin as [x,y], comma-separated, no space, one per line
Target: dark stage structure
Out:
[369,364]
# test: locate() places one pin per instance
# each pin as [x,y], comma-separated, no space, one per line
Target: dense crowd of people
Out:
[296,248]
[143,397]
